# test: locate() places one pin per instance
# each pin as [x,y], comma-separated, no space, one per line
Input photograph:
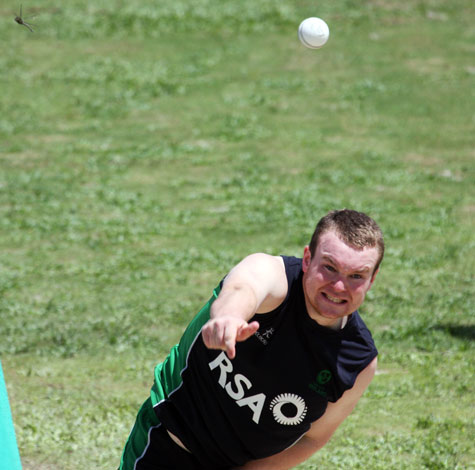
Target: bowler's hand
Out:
[223,333]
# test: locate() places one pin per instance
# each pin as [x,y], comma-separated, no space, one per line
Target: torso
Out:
[279,383]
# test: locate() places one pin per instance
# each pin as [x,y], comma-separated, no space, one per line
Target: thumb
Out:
[247,331]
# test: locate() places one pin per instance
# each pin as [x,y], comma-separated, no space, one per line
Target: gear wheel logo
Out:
[288,399]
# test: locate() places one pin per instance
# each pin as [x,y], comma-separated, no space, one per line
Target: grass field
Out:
[146,147]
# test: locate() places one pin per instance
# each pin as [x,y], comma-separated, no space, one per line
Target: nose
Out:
[339,285]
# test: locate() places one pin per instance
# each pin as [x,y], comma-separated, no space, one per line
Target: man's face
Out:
[336,279]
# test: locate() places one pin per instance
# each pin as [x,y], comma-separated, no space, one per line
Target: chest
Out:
[280,377]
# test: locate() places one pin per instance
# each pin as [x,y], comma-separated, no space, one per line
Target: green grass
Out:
[146,147]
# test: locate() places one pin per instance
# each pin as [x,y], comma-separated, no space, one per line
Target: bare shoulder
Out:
[266,262]
[258,264]
[266,273]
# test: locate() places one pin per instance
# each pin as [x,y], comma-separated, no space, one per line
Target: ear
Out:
[307,258]
[373,277]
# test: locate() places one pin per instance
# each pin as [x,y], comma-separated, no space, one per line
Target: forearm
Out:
[238,300]
[229,317]
[256,285]
[286,459]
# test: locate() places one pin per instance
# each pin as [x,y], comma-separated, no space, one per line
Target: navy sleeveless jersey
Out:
[228,412]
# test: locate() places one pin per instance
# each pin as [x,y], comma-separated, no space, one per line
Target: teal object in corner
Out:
[9,455]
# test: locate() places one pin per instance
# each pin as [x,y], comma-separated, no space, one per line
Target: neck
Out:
[337,324]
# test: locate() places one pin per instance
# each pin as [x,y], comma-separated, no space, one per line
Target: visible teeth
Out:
[333,299]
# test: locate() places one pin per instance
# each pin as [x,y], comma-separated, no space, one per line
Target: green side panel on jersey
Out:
[168,373]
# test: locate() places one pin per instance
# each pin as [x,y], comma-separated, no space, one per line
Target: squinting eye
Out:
[356,276]
[330,268]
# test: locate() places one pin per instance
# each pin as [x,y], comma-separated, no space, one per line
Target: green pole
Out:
[9,455]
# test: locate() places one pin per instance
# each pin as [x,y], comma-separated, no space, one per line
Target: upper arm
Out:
[264,275]
[336,413]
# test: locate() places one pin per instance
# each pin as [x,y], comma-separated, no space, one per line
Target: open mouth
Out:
[335,300]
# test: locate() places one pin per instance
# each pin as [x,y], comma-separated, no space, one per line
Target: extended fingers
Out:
[223,334]
[213,335]
[230,334]
[218,334]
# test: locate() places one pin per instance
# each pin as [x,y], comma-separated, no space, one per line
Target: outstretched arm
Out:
[257,284]
[321,430]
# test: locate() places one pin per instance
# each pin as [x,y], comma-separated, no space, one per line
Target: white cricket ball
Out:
[313,33]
